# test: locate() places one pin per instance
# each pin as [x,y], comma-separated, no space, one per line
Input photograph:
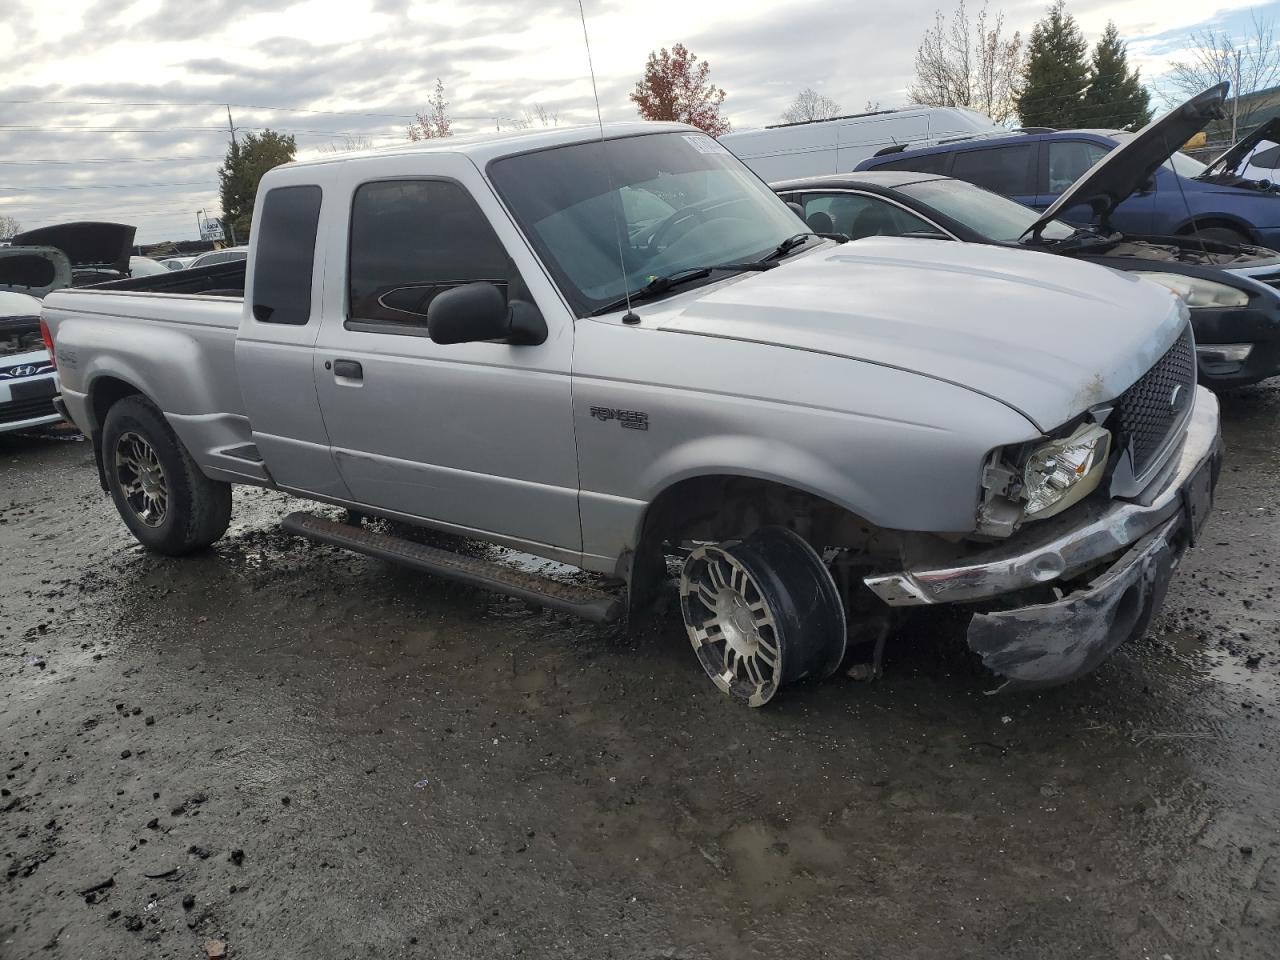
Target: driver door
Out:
[477,437]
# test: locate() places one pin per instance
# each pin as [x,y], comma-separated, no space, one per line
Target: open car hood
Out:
[86,243]
[1231,161]
[35,271]
[1126,168]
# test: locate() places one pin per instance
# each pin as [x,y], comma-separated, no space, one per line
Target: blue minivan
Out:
[1183,198]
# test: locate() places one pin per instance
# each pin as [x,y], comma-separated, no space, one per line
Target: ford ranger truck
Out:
[617,349]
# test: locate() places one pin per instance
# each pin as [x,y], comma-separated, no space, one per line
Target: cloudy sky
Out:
[115,110]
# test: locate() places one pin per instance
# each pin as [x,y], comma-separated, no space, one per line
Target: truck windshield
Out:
[657,203]
[993,216]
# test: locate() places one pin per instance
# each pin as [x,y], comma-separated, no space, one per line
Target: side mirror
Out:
[796,209]
[477,312]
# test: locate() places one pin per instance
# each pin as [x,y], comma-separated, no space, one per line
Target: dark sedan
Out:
[1235,306]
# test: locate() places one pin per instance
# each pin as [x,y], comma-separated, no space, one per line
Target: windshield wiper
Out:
[657,286]
[786,246]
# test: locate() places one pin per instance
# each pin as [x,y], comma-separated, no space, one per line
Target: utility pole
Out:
[1235,101]
[230,227]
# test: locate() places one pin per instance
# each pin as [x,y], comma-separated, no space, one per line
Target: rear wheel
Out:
[761,613]
[160,493]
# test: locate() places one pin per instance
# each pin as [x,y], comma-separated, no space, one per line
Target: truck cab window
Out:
[413,239]
[286,255]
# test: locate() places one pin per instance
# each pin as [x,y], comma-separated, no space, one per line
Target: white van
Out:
[816,147]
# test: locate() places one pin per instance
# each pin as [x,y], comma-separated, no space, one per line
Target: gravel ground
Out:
[308,753]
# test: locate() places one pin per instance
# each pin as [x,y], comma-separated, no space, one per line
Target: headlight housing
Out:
[1063,472]
[1198,292]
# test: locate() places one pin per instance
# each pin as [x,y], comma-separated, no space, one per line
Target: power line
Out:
[107,186]
[95,160]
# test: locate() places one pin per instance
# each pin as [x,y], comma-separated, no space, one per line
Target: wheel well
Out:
[105,393]
[722,507]
[719,507]
[1204,223]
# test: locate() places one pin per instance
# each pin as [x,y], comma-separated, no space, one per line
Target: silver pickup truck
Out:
[617,349]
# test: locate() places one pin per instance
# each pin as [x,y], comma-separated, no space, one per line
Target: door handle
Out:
[348,369]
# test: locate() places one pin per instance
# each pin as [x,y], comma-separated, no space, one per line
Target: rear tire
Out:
[165,501]
[1222,235]
[762,613]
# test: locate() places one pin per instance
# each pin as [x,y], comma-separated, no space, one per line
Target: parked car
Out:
[814,147]
[146,267]
[1180,197]
[27,377]
[823,435]
[225,255]
[177,263]
[1235,307]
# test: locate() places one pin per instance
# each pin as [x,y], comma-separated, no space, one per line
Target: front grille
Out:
[15,411]
[1154,406]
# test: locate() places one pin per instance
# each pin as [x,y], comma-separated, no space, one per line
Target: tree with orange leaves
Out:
[676,86]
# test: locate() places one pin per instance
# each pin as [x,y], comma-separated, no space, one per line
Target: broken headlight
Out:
[1063,472]
[1198,292]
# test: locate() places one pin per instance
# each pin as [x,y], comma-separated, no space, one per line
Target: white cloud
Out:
[376,61]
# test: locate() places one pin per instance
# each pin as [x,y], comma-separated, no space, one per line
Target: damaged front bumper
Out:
[1050,643]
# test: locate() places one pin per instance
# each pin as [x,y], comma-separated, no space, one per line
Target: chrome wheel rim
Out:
[730,624]
[141,479]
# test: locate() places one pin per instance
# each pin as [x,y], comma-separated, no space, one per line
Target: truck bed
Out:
[218,280]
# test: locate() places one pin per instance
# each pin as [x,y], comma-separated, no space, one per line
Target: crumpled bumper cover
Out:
[1045,644]
[1049,644]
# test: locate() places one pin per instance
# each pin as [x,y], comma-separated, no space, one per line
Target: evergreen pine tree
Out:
[1056,74]
[1116,98]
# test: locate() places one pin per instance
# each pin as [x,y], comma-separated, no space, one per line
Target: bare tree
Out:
[873,106]
[1250,63]
[348,143]
[534,116]
[434,120]
[969,62]
[809,104]
[9,227]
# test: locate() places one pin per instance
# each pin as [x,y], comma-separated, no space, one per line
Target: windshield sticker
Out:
[704,144]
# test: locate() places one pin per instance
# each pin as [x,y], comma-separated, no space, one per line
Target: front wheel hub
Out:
[761,613]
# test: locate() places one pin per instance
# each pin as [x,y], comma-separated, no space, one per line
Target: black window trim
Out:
[391,327]
[249,294]
[877,196]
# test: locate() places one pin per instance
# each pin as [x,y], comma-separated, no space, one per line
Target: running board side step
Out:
[584,601]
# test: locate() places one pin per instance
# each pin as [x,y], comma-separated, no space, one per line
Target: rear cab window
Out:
[286,254]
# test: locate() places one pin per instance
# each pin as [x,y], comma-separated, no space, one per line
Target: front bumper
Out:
[1046,644]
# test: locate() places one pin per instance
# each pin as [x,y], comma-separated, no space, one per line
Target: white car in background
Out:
[28,382]
[225,255]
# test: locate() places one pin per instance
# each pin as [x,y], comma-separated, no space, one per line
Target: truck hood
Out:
[1106,184]
[33,270]
[86,243]
[1048,336]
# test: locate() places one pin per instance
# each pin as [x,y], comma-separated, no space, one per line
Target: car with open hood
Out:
[1231,288]
[97,251]
[1156,190]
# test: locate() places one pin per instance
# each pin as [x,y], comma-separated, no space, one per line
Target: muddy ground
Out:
[312,754]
